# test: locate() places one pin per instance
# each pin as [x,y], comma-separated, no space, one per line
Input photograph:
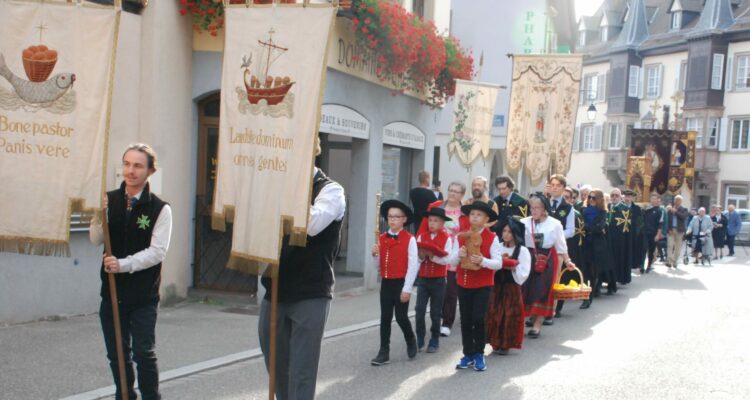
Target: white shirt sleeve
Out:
[157,251]
[522,270]
[570,224]
[412,267]
[448,257]
[560,244]
[496,260]
[329,206]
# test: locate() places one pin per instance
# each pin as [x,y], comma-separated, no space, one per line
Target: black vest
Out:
[307,272]
[562,212]
[129,237]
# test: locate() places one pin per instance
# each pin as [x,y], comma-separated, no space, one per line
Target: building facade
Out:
[534,26]
[166,93]
[676,63]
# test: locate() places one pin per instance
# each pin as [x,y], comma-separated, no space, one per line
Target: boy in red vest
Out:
[399,264]
[436,251]
[474,286]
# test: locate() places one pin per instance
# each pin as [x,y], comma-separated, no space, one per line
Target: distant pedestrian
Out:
[734,224]
[421,196]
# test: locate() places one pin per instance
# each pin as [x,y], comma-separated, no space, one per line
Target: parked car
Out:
[744,235]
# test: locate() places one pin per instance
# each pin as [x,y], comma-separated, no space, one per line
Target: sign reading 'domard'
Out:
[341,120]
[271,92]
[56,64]
[403,134]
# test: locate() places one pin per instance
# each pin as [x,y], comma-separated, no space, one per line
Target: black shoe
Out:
[411,348]
[557,314]
[381,359]
[529,323]
[548,321]
[648,269]
[586,304]
[533,334]
[642,270]
[501,352]
[730,255]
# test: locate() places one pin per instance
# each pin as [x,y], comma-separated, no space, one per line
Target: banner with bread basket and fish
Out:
[56,67]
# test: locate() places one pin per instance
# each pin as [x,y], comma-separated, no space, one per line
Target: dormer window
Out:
[605,34]
[677,20]
[582,38]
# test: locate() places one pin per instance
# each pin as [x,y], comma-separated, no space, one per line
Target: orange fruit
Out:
[41,47]
[51,55]
[40,56]
[28,54]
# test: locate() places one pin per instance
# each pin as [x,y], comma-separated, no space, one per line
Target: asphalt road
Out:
[668,335]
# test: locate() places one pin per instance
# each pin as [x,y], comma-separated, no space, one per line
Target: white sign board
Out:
[403,134]
[341,120]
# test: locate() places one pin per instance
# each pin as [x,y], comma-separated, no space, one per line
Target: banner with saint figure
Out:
[682,160]
[56,67]
[271,93]
[543,106]
[473,111]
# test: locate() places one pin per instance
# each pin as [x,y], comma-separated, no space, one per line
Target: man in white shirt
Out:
[140,225]
[305,290]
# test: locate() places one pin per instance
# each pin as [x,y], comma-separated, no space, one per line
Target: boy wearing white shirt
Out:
[436,251]
[399,264]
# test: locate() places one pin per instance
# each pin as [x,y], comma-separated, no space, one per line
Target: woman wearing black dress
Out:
[719,233]
[597,267]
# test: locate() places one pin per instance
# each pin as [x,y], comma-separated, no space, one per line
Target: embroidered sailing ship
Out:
[261,85]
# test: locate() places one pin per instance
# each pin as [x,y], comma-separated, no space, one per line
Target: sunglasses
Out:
[592,198]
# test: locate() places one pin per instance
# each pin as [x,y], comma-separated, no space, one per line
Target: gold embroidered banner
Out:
[543,106]
[682,160]
[56,68]
[271,94]
[473,110]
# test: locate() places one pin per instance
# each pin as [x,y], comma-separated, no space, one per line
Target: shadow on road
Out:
[426,377]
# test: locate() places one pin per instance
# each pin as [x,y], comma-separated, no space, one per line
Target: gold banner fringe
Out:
[35,247]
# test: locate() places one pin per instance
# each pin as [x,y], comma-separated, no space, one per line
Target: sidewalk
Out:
[58,359]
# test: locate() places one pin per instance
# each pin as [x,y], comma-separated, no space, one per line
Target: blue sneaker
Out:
[479,364]
[465,362]
[433,346]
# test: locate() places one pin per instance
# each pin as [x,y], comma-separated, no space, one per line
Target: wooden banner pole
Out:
[115,309]
[272,345]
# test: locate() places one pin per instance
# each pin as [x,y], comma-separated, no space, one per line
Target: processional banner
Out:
[682,161]
[654,145]
[56,68]
[543,106]
[473,111]
[271,93]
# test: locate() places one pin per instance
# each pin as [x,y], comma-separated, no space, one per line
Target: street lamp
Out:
[591,112]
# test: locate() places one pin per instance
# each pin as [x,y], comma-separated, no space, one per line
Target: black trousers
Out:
[450,299]
[651,248]
[730,243]
[390,300]
[432,290]
[138,326]
[472,304]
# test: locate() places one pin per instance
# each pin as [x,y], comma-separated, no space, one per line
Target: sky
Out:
[586,7]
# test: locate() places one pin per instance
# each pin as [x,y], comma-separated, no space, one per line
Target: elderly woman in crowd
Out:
[719,233]
[545,240]
[700,228]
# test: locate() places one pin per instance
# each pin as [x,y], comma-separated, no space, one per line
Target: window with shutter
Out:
[601,87]
[730,83]
[598,138]
[717,69]
[633,80]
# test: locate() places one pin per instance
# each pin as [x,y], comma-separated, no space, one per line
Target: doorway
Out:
[212,247]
